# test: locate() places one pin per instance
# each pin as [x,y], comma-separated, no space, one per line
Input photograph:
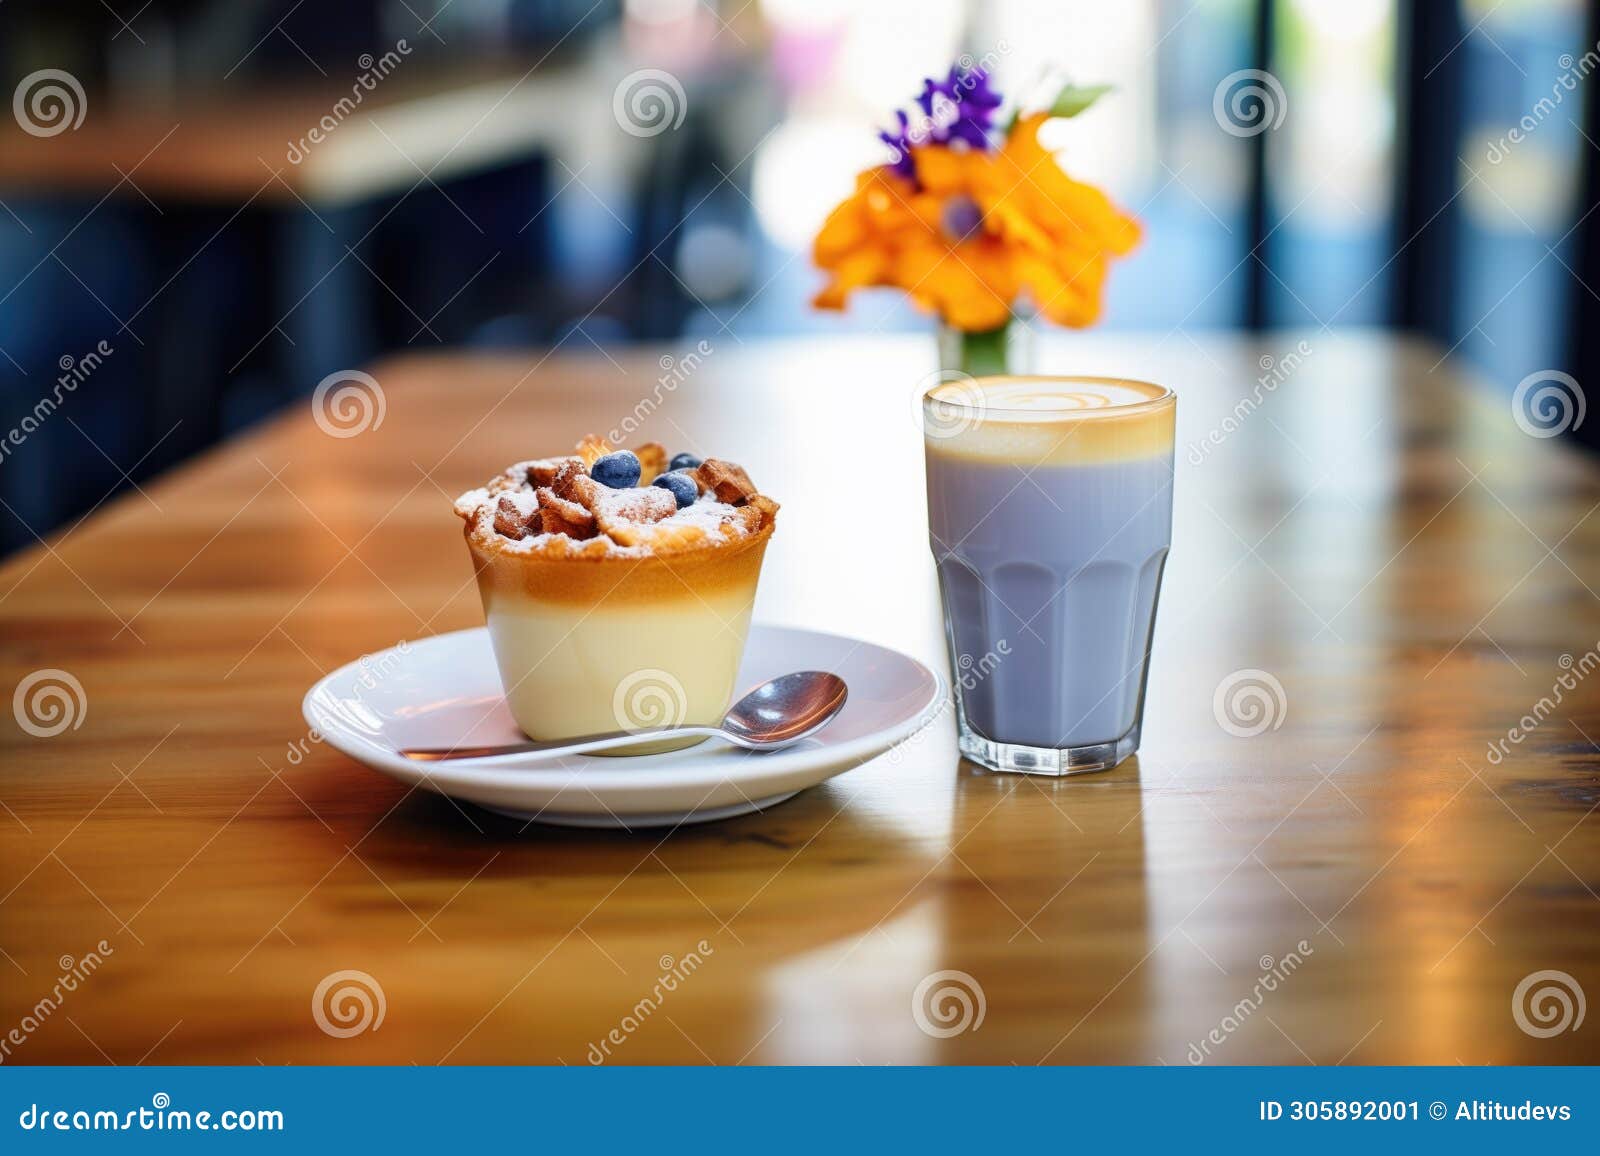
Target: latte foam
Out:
[1032,421]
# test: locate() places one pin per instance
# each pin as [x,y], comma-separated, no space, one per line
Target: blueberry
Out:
[619,471]
[683,462]
[682,487]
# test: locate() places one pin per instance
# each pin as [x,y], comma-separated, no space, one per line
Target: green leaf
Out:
[1073,99]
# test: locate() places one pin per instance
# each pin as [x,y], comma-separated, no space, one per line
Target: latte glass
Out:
[1050,517]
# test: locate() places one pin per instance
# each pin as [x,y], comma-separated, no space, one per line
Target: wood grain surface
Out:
[1373,531]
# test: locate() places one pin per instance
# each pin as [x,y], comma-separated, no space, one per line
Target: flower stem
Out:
[985,353]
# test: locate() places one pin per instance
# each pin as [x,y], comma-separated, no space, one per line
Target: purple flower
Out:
[899,143]
[961,107]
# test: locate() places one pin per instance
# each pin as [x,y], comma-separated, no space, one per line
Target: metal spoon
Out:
[775,714]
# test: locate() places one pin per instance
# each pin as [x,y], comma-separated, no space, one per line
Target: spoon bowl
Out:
[776,714]
[785,710]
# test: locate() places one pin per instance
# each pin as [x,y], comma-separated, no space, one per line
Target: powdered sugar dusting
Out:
[552,507]
[524,500]
[703,522]
[469,503]
[640,504]
[706,513]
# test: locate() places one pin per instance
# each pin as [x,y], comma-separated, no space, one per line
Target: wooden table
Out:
[1377,535]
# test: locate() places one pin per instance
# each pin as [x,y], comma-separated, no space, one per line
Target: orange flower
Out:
[973,231]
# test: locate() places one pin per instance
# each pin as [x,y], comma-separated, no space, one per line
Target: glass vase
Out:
[989,352]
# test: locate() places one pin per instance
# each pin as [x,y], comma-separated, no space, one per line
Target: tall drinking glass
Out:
[1050,517]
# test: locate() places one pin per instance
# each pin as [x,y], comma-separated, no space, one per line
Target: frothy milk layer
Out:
[1034,421]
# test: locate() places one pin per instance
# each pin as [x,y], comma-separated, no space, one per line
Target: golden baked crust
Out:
[551,509]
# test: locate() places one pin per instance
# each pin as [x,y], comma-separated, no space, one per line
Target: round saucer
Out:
[446,689]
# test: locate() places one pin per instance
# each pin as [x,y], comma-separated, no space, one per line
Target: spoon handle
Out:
[615,740]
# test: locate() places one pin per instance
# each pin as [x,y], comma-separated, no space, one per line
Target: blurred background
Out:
[206,207]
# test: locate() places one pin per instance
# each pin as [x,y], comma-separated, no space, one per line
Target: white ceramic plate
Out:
[445,690]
